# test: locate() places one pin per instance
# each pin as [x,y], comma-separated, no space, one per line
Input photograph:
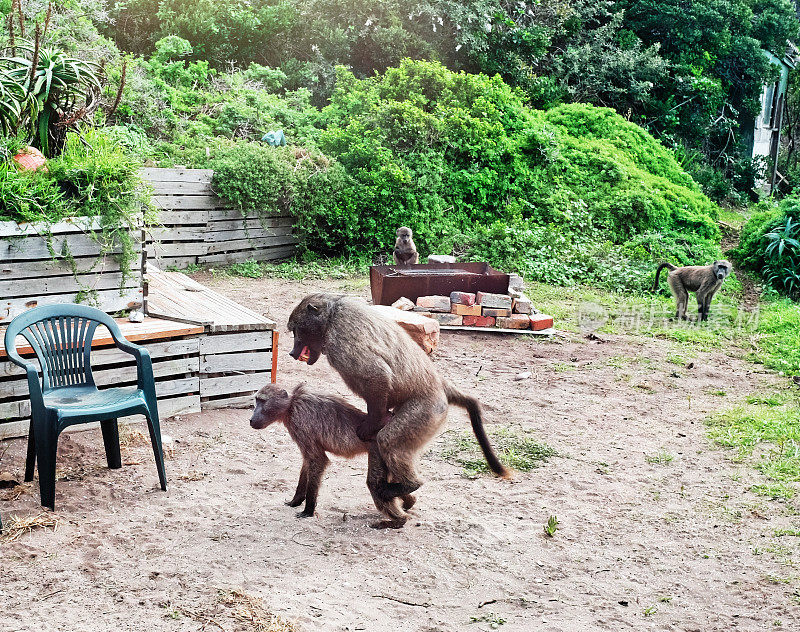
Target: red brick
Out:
[466,310]
[496,313]
[454,320]
[499,301]
[406,304]
[478,321]
[462,298]
[434,303]
[541,321]
[516,321]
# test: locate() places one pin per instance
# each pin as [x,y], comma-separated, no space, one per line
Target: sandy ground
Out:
[641,545]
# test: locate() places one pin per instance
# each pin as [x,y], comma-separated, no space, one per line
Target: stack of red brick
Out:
[463,309]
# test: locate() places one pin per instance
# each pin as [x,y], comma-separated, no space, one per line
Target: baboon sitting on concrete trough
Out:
[704,281]
[318,424]
[405,251]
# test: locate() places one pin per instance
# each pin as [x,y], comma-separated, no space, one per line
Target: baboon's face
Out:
[272,404]
[404,235]
[309,322]
[722,269]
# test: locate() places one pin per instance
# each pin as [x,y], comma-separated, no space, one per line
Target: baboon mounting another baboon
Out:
[319,425]
[405,251]
[704,281]
[381,363]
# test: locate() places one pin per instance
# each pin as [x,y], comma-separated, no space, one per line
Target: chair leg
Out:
[155,438]
[30,460]
[111,442]
[46,448]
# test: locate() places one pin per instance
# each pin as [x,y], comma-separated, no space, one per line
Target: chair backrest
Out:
[61,336]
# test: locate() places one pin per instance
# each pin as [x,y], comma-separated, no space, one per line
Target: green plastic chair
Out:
[61,336]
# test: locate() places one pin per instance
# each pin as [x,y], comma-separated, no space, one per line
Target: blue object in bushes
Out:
[275,138]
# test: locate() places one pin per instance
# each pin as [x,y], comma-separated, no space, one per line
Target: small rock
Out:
[441,259]
[136,317]
[525,375]
[406,304]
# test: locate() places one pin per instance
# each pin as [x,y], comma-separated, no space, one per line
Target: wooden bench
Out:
[238,350]
[174,348]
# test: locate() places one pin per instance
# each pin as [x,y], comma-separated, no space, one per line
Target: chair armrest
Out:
[144,364]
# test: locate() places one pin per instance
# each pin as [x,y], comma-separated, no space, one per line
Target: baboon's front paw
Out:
[388,524]
[295,502]
[305,514]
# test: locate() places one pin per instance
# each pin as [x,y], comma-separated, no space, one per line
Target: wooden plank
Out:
[229,362]
[157,174]
[274,371]
[79,244]
[179,233]
[498,330]
[66,226]
[59,267]
[231,343]
[181,188]
[167,407]
[108,301]
[237,224]
[65,284]
[179,218]
[10,410]
[213,248]
[251,235]
[178,387]
[150,329]
[175,295]
[260,254]
[186,202]
[179,249]
[239,401]
[249,383]
[175,263]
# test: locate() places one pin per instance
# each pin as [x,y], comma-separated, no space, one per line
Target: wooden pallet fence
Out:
[176,367]
[30,275]
[199,227]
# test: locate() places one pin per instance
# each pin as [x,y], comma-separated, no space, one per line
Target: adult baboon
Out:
[405,252]
[380,362]
[704,281]
[319,424]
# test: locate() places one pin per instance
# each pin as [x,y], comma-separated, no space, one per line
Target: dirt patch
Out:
[656,528]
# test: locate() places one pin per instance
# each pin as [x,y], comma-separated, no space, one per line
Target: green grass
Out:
[766,432]
[662,457]
[296,269]
[516,449]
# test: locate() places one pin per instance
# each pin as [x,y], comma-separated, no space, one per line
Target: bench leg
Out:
[111,442]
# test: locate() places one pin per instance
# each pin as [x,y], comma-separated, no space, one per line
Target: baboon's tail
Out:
[669,266]
[473,407]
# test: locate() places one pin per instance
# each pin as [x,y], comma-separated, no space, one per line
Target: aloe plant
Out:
[47,90]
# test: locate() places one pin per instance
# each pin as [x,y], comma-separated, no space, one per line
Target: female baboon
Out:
[704,281]
[380,362]
[318,424]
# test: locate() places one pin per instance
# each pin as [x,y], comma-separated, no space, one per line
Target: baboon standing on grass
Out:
[380,362]
[704,281]
[318,424]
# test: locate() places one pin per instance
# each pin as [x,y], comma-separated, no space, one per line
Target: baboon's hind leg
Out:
[681,296]
[414,424]
[376,481]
